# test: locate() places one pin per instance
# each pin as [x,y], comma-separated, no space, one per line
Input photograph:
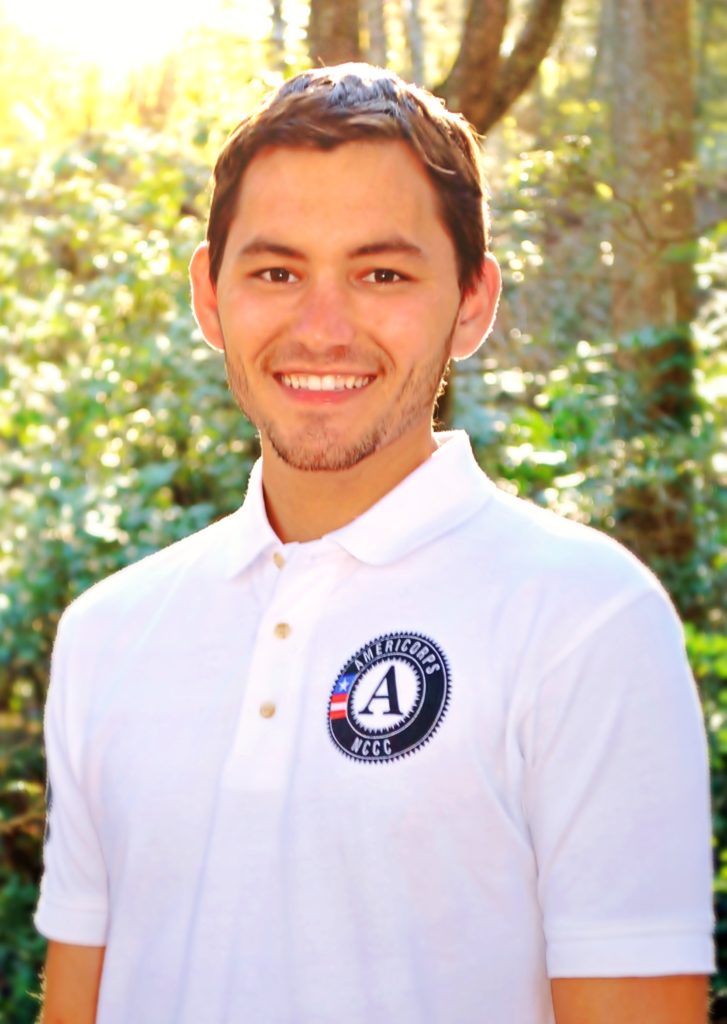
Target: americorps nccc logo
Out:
[389,698]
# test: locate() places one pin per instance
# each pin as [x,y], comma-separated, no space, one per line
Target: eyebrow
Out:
[266,247]
[396,245]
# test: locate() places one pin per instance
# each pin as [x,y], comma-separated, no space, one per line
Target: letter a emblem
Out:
[391,695]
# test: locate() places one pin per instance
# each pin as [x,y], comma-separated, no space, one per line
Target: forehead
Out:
[382,183]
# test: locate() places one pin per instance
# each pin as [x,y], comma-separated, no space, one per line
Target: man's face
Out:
[337,302]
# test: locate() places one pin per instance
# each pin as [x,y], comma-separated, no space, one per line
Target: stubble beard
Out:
[316,448]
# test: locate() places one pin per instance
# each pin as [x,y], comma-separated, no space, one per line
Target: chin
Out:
[325,455]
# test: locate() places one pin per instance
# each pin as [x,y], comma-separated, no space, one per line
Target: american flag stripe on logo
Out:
[338,705]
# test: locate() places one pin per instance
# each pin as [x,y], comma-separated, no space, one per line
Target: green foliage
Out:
[708,656]
[21,830]
[116,431]
[556,405]
[117,436]
[19,961]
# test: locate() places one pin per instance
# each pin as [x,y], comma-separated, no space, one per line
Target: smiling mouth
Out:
[324,382]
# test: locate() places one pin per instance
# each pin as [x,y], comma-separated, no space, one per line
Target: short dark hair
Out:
[327,107]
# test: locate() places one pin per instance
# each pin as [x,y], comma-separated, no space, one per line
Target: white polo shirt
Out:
[406,772]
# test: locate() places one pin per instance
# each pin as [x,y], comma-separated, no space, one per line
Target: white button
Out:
[267,709]
[279,560]
[282,630]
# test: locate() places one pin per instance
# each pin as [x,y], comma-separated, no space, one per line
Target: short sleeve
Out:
[73,896]
[617,798]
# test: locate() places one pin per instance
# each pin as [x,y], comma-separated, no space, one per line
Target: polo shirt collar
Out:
[250,531]
[435,498]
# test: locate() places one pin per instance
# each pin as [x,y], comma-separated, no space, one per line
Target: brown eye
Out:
[277,275]
[382,275]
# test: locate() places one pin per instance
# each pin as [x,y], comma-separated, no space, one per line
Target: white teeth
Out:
[327,382]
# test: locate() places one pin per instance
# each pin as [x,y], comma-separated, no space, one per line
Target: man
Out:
[386,744]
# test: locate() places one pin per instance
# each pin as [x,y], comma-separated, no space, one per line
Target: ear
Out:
[477,310]
[204,298]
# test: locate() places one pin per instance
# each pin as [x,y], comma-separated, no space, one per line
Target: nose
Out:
[324,318]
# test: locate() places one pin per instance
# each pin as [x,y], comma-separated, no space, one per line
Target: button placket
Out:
[269,718]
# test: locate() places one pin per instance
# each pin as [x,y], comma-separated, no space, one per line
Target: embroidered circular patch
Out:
[390,697]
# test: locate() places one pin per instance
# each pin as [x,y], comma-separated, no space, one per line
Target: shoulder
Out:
[553,583]
[135,592]
[531,545]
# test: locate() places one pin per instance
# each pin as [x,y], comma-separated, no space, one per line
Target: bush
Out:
[117,436]
[21,829]
[117,432]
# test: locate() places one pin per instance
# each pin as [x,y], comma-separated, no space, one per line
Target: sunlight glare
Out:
[119,38]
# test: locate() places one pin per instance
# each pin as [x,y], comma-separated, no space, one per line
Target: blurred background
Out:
[601,395]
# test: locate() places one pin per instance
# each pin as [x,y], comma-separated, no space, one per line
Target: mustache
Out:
[336,357]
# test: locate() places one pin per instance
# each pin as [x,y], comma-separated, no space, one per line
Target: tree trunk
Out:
[373,11]
[482,84]
[333,35]
[653,288]
[414,40]
[277,36]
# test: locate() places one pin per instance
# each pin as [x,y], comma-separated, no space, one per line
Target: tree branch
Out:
[518,70]
[469,85]
[21,822]
[483,84]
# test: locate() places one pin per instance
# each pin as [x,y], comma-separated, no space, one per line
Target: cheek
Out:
[403,319]
[248,326]
[419,329]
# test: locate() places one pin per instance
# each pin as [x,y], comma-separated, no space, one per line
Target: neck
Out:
[303,506]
